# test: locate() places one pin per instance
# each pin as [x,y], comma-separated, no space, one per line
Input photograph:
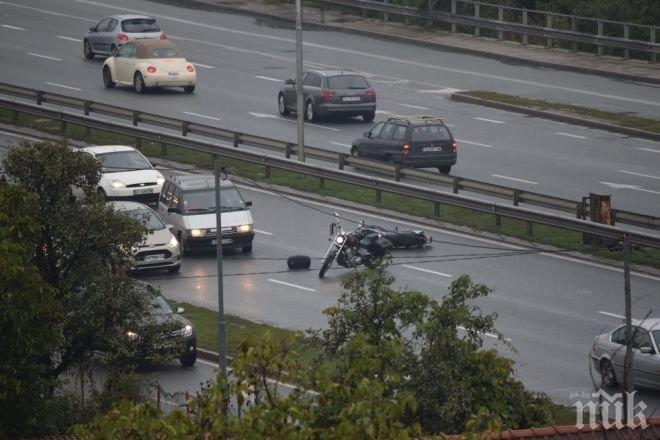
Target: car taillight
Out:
[454,147]
[405,149]
[190,68]
[327,94]
[163,36]
[122,37]
[151,69]
[370,92]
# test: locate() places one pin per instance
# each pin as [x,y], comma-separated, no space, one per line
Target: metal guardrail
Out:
[339,175]
[455,184]
[549,30]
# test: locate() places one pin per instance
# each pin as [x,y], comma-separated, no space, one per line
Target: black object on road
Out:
[298,262]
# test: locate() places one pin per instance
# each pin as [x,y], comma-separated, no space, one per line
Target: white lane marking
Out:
[20,136]
[16,28]
[490,120]
[46,57]
[445,91]
[613,315]
[453,233]
[267,78]
[650,150]
[639,174]
[576,136]
[291,285]
[269,116]
[203,116]
[339,144]
[474,143]
[490,335]
[513,178]
[419,107]
[626,186]
[263,232]
[205,66]
[63,86]
[63,37]
[446,275]
[383,112]
[46,11]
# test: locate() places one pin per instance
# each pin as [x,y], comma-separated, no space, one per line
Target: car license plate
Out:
[142,191]
[350,98]
[432,149]
[173,75]
[156,257]
[224,241]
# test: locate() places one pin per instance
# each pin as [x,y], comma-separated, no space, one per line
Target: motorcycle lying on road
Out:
[405,238]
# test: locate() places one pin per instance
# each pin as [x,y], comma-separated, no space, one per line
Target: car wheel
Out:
[247,249]
[189,89]
[188,359]
[607,373]
[107,78]
[310,113]
[182,245]
[281,105]
[369,116]
[101,193]
[87,50]
[445,169]
[174,269]
[138,82]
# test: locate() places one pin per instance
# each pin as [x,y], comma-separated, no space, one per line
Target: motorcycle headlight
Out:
[132,336]
[339,239]
[160,180]
[187,330]
[118,184]
[173,242]
[196,232]
[244,229]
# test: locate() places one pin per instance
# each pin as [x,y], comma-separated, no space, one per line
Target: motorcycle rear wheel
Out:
[327,261]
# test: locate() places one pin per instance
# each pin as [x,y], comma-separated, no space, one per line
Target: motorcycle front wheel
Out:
[327,261]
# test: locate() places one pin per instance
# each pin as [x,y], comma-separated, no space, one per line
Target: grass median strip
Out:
[479,221]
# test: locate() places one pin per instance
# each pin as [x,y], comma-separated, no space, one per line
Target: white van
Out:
[188,204]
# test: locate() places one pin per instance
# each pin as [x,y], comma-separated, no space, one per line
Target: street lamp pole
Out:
[222,338]
[300,103]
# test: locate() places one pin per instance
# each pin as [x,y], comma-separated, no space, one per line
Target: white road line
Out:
[20,136]
[474,143]
[63,86]
[627,186]
[419,107]
[513,178]
[445,91]
[46,11]
[44,56]
[203,116]
[62,37]
[613,315]
[650,150]
[291,285]
[639,174]
[267,78]
[490,335]
[263,232]
[269,116]
[339,144]
[490,120]
[383,112]
[205,66]
[16,28]
[576,136]
[446,275]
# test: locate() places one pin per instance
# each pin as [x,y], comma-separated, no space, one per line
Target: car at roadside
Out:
[328,93]
[160,248]
[411,141]
[609,350]
[126,174]
[111,33]
[143,64]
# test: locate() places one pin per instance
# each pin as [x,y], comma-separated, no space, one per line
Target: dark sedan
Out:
[330,92]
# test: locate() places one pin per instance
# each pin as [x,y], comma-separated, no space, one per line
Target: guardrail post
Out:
[237,139]
[322,10]
[436,209]
[138,143]
[613,216]
[40,97]
[530,228]
[287,150]
[574,45]
[158,397]
[498,220]
[62,123]
[626,35]
[654,56]
[525,37]
[184,128]
[500,17]
[477,31]
[548,24]
[385,15]
[87,107]
[163,149]
[455,185]
[14,117]
[267,171]
[397,173]
[136,118]
[453,12]
[322,182]
[600,34]
[364,12]
[516,197]
[342,159]
[379,196]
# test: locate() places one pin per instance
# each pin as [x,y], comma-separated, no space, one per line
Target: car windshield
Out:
[119,161]
[139,25]
[426,133]
[347,82]
[163,52]
[159,306]
[203,200]
[147,217]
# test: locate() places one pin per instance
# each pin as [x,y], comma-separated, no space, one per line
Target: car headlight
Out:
[244,228]
[173,242]
[160,180]
[118,184]
[132,336]
[340,239]
[196,232]
[187,330]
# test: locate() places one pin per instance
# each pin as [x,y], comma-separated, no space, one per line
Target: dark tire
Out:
[310,112]
[354,151]
[327,261]
[107,78]
[102,195]
[87,50]
[182,245]
[445,169]
[295,262]
[189,359]
[607,374]
[138,83]
[247,249]
[281,105]
[369,116]
[189,89]
[174,269]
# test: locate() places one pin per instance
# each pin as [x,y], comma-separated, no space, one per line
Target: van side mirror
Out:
[92,29]
[173,209]
[646,350]
[367,134]
[290,82]
[248,204]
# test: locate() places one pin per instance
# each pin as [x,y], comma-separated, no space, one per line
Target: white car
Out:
[149,63]
[160,249]
[126,174]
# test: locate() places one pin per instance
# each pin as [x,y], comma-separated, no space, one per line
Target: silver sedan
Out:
[113,32]
[609,351]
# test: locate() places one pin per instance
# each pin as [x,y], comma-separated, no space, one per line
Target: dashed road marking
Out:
[263,232]
[650,150]
[514,178]
[269,116]
[576,136]
[46,57]
[383,112]
[63,37]
[267,78]
[63,86]
[339,144]
[445,91]
[291,285]
[419,107]
[474,143]
[613,315]
[490,335]
[446,275]
[202,116]
[15,28]
[639,174]
[205,66]
[490,120]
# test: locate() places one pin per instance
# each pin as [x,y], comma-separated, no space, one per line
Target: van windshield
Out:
[203,200]
[429,133]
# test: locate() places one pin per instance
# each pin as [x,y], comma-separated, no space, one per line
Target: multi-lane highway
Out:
[241,63]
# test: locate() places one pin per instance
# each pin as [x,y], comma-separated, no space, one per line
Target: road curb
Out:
[557,117]
[209,4]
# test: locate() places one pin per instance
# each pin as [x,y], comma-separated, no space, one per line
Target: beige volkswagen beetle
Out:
[149,63]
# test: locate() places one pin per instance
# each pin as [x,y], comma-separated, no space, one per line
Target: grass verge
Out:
[479,221]
[621,119]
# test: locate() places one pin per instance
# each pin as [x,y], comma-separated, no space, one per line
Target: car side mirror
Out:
[173,209]
[367,134]
[92,29]
[290,82]
[180,310]
[248,204]
[114,52]
[646,350]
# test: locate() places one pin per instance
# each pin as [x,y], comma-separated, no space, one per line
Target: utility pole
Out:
[222,338]
[627,368]
[300,103]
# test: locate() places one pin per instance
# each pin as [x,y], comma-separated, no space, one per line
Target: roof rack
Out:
[410,118]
